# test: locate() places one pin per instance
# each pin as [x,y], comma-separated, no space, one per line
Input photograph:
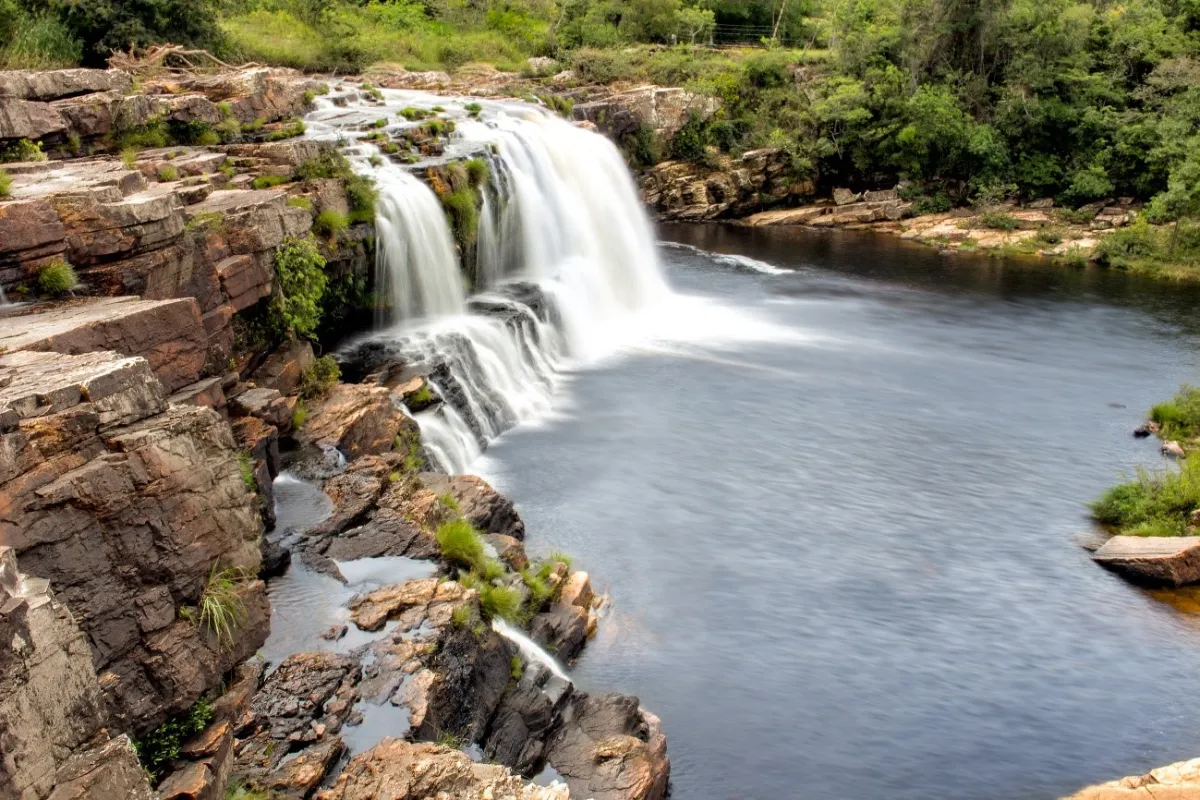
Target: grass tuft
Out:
[1179,417]
[57,277]
[221,610]
[461,544]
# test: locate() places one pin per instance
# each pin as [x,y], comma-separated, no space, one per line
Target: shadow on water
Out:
[842,551]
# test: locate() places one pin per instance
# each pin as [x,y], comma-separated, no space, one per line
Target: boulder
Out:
[577,591]
[611,749]
[108,770]
[1171,560]
[284,368]
[561,629]
[527,716]
[1172,448]
[21,119]
[480,504]
[1145,430]
[358,420]
[844,197]
[52,84]
[399,770]
[663,109]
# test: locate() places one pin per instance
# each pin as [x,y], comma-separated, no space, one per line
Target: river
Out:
[837,512]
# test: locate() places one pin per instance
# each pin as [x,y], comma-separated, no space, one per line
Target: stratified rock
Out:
[611,749]
[21,119]
[357,419]
[1173,560]
[562,629]
[399,770]
[663,109]
[52,84]
[126,505]
[167,333]
[110,770]
[681,190]
[434,601]
[284,368]
[1180,781]
[480,504]
[577,591]
[526,717]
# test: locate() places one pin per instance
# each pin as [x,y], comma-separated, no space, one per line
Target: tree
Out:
[695,23]
[1182,197]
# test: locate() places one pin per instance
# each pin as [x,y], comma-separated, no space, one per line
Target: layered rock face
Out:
[127,505]
[662,109]
[679,190]
[50,704]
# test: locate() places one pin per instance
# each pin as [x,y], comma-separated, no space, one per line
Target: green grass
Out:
[299,416]
[461,544]
[474,109]
[240,791]
[129,157]
[515,668]
[496,600]
[167,173]
[448,501]
[540,592]
[461,616]
[246,468]
[331,225]
[268,181]
[320,376]
[1179,417]
[57,277]
[6,183]
[1154,503]
[21,150]
[301,202]
[463,214]
[477,172]
[40,41]
[208,219]
[294,128]
[422,396]
[221,610]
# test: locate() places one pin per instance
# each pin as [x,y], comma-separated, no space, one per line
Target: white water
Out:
[565,263]
[529,648]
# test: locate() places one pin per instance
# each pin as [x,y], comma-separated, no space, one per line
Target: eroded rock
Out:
[611,749]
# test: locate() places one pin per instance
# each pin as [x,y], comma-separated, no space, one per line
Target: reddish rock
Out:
[357,419]
[284,368]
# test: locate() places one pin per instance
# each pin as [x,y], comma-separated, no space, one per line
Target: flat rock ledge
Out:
[1174,561]
[1178,781]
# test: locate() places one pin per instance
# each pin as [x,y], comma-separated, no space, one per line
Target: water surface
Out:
[837,517]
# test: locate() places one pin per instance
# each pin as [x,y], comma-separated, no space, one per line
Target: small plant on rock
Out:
[460,543]
[300,266]
[331,225]
[246,468]
[301,202]
[167,173]
[57,277]
[268,181]
[299,416]
[448,501]
[221,609]
[157,749]
[474,109]
[6,182]
[319,378]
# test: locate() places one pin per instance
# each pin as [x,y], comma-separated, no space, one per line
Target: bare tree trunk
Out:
[779,19]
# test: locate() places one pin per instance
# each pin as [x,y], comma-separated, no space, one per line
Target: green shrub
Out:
[22,150]
[998,220]
[299,416]
[1153,502]
[157,749]
[331,224]
[6,183]
[474,109]
[463,215]
[602,66]
[246,468]
[320,376]
[167,173]
[408,442]
[1049,236]
[291,130]
[152,134]
[268,181]
[300,266]
[461,616]
[221,609]
[129,157]
[362,195]
[448,501]
[1179,417]
[540,592]
[40,41]
[57,277]
[1124,246]
[413,114]
[477,172]
[461,544]
[301,202]
[240,791]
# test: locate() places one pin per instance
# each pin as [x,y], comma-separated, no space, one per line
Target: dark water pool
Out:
[840,543]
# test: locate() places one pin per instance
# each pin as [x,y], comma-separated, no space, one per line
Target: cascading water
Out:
[564,258]
[529,648]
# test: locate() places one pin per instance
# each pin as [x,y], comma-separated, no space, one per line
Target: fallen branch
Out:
[171,58]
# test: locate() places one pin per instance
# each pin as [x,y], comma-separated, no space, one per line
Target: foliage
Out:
[35,39]
[495,599]
[320,376]
[157,749]
[477,172]
[301,202]
[408,442]
[331,224]
[167,173]
[516,668]
[473,109]
[22,150]
[299,416]
[240,791]
[246,468]
[448,501]
[362,195]
[461,544]
[300,267]
[998,220]
[1179,417]
[57,277]
[6,183]
[221,610]
[463,214]
[1153,503]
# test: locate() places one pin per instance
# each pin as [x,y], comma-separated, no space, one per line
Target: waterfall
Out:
[529,648]
[565,261]
[416,269]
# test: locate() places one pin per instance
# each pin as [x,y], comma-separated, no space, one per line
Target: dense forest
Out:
[964,101]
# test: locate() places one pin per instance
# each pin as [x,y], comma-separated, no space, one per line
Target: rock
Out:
[206,393]
[1146,429]
[1172,560]
[21,119]
[1172,448]
[275,559]
[400,770]
[92,455]
[880,196]
[529,712]
[680,190]
[1179,780]
[418,394]
[109,770]
[663,109]
[480,504]
[54,84]
[561,629]
[356,419]
[194,781]
[334,633]
[304,773]
[540,66]
[167,333]
[844,197]
[284,368]
[434,601]
[577,591]
[611,749]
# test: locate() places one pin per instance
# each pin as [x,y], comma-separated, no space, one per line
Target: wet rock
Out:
[301,775]
[531,709]
[473,668]
[417,394]
[399,770]
[334,633]
[433,601]
[561,629]
[480,504]
[1145,430]
[1171,560]
[358,420]
[577,591]
[611,749]
[275,559]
